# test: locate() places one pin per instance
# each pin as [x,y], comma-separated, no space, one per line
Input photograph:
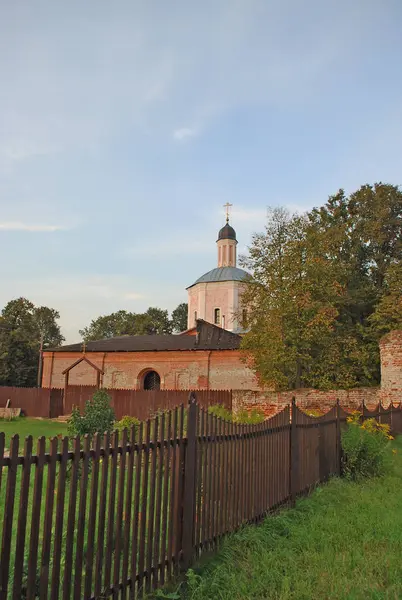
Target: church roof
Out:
[223,274]
[208,337]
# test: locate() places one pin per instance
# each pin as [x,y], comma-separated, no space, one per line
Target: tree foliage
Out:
[153,321]
[326,285]
[97,417]
[24,327]
[179,318]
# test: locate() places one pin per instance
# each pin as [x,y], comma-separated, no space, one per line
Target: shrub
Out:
[366,448]
[220,411]
[313,412]
[98,416]
[242,417]
[253,417]
[126,423]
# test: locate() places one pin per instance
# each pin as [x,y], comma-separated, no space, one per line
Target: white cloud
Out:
[19,226]
[185,133]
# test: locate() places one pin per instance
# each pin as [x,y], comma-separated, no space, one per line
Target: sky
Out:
[125,126]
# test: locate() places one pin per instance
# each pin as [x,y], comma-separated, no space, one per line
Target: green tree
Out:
[291,302]
[326,285]
[153,321]
[388,312]
[115,324]
[179,317]
[97,417]
[363,232]
[24,330]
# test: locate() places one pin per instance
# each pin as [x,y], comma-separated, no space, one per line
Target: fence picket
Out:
[158,515]
[166,474]
[8,517]
[119,514]
[144,507]
[58,534]
[110,512]
[127,512]
[136,509]
[102,515]
[92,518]
[151,507]
[72,506]
[79,555]
[35,521]
[22,520]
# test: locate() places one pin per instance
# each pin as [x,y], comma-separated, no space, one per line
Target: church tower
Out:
[216,296]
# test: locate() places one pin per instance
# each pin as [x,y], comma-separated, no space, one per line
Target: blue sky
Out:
[125,126]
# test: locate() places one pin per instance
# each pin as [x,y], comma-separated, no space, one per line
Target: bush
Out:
[218,410]
[126,423]
[242,417]
[249,418]
[98,416]
[366,448]
[313,412]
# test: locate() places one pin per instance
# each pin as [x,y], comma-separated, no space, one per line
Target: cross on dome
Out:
[228,207]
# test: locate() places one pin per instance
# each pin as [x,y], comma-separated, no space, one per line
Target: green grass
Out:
[344,542]
[25,426]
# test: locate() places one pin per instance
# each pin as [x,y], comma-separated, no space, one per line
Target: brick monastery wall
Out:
[225,371]
[178,370]
[269,403]
[391,367]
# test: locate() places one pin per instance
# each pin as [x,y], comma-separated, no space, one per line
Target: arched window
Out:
[152,381]
[217,316]
[195,317]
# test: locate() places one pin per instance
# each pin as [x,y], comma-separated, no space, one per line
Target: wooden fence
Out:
[117,517]
[144,403]
[35,402]
[52,403]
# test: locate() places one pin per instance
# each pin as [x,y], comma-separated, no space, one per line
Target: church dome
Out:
[223,274]
[227,233]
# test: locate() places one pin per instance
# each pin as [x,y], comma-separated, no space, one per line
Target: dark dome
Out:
[227,233]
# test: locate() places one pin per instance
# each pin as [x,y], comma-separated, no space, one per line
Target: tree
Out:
[115,324]
[291,302]
[388,312]
[153,321]
[180,317]
[24,330]
[97,417]
[326,286]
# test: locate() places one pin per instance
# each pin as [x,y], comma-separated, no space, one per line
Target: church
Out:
[207,356]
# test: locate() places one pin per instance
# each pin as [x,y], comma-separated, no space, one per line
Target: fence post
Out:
[188,525]
[338,437]
[391,406]
[379,412]
[294,455]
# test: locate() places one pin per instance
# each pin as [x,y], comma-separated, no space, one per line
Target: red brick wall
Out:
[391,367]
[194,370]
[391,387]
[222,370]
[271,402]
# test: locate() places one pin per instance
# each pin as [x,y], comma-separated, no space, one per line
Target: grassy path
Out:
[344,542]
